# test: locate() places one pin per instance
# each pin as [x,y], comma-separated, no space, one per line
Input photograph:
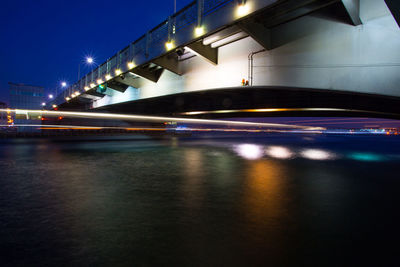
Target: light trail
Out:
[80,127]
[127,117]
[267,110]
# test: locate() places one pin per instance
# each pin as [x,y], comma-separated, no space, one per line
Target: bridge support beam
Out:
[117,86]
[169,62]
[94,93]
[151,74]
[129,79]
[258,32]
[353,9]
[394,7]
[89,96]
[205,51]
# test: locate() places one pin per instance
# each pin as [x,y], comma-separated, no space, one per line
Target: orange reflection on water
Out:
[265,191]
[192,188]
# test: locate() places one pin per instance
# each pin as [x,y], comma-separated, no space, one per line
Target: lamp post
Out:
[63,85]
[89,61]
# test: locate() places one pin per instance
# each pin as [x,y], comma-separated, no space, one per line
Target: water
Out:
[275,200]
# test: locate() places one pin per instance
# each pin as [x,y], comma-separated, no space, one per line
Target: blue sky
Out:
[43,41]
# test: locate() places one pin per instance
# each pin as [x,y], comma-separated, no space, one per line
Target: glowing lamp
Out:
[108,77]
[199,31]
[118,72]
[169,45]
[131,65]
[92,85]
[242,10]
[67,98]
[86,88]
[99,81]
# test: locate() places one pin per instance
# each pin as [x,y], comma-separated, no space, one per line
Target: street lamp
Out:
[89,60]
[51,96]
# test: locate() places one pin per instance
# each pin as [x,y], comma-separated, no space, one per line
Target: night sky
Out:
[43,41]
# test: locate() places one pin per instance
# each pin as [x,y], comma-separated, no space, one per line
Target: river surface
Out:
[271,200]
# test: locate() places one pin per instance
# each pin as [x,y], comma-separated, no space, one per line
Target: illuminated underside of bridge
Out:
[298,57]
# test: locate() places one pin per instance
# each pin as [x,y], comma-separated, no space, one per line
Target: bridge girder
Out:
[205,51]
[259,27]
[129,79]
[282,101]
[117,86]
[148,72]
[394,7]
[353,10]
[95,93]
[169,62]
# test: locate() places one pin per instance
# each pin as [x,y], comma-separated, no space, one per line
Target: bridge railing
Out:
[149,46]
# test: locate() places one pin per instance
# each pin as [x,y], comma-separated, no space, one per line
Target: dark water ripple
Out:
[242,201]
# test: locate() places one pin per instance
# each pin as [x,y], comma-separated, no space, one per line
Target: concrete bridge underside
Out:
[321,54]
[263,101]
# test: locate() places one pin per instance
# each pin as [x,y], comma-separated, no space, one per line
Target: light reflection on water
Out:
[179,201]
[254,152]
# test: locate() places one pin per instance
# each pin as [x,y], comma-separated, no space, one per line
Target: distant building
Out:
[23,96]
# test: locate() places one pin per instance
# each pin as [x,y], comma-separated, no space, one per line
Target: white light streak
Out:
[131,117]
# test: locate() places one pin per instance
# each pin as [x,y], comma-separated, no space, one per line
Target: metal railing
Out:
[148,46]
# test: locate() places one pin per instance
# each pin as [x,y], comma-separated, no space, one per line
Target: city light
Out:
[92,85]
[118,72]
[169,45]
[63,84]
[86,88]
[67,98]
[77,93]
[43,104]
[89,60]
[199,31]
[131,65]
[108,77]
[51,96]
[99,81]
[54,106]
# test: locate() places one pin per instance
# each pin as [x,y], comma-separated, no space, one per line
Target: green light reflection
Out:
[366,157]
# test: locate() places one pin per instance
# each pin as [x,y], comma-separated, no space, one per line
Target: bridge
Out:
[219,57]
